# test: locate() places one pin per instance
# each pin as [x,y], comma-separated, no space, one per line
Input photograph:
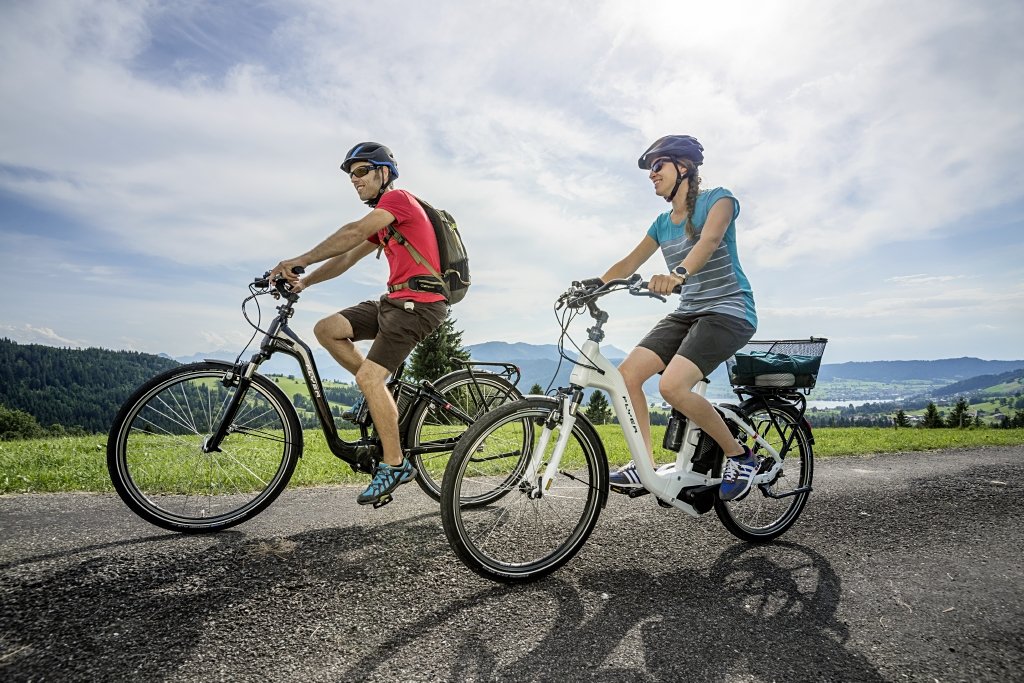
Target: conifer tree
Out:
[536,389]
[435,355]
[598,411]
[932,419]
[901,419]
[958,417]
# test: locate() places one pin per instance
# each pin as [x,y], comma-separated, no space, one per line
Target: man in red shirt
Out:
[397,321]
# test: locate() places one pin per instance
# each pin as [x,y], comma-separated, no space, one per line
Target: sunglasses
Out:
[659,164]
[361,171]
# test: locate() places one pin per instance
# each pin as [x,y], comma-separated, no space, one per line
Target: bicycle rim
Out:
[757,516]
[437,426]
[156,457]
[521,536]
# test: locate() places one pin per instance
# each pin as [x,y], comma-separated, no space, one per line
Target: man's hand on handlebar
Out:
[290,270]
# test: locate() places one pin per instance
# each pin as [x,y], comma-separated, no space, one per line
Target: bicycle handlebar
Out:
[581,294]
[279,283]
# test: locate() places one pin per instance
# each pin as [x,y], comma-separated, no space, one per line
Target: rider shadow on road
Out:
[767,611]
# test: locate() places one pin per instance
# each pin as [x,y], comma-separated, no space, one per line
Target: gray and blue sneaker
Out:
[738,475]
[625,479]
[385,480]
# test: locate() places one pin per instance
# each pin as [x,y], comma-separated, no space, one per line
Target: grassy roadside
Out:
[79,463]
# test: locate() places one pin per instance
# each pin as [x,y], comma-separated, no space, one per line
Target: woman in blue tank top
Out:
[716,315]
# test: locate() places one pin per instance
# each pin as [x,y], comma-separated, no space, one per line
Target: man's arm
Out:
[345,239]
[337,265]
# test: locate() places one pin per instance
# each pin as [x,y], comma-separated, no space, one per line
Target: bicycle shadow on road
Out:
[767,611]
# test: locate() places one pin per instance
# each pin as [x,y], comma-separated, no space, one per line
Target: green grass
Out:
[79,463]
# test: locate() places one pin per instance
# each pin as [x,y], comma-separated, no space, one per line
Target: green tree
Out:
[932,419]
[17,424]
[598,410]
[901,419]
[958,417]
[1018,419]
[536,389]
[436,355]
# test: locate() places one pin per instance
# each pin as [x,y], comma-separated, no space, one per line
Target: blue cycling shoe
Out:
[385,480]
[738,475]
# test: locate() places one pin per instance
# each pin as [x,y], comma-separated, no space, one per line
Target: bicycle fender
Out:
[753,404]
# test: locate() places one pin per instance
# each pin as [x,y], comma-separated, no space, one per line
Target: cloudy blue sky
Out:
[154,156]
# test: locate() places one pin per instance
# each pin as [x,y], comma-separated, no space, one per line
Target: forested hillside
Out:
[72,387]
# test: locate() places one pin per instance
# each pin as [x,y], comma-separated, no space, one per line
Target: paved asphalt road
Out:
[902,567]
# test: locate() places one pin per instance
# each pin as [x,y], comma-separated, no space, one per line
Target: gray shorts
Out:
[705,339]
[394,330]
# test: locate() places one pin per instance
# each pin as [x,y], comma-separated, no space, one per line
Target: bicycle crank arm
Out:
[794,492]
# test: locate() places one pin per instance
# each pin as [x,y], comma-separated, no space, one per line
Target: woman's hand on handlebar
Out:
[665,284]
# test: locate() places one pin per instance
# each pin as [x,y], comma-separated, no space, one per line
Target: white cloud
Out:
[844,138]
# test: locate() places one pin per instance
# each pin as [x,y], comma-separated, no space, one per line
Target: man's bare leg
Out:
[335,334]
[372,381]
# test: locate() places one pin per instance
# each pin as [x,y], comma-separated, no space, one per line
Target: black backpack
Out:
[453,281]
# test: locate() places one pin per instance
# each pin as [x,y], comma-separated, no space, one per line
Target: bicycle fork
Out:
[541,483]
[242,380]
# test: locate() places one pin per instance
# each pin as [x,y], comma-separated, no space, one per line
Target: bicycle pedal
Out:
[382,501]
[636,493]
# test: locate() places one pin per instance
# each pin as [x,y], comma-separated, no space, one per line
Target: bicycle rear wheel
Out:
[155,450]
[528,533]
[436,428]
[768,510]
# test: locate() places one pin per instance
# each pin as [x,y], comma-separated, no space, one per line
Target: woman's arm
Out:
[633,260]
[710,236]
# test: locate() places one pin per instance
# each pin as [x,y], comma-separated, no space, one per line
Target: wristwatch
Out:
[680,271]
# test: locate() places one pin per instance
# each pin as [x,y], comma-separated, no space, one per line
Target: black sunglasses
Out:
[657,165]
[360,171]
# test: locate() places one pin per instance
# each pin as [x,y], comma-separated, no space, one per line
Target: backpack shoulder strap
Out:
[394,234]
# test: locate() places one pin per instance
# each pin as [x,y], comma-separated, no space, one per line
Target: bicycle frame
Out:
[669,483]
[280,338]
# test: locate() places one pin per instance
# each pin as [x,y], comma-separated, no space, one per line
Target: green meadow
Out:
[79,463]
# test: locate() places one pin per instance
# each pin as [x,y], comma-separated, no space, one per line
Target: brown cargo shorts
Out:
[396,326]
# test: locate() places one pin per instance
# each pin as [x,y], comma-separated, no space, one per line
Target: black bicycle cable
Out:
[259,318]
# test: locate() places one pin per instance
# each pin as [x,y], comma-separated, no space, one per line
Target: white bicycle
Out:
[550,458]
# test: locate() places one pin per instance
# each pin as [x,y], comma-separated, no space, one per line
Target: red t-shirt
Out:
[412,222]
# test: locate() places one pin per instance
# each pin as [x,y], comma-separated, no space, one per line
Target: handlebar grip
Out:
[678,289]
[298,270]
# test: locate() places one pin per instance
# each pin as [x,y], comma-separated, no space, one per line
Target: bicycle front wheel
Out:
[156,459]
[767,510]
[435,428]
[529,532]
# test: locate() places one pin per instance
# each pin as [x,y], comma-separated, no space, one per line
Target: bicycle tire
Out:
[515,539]
[156,460]
[756,517]
[475,394]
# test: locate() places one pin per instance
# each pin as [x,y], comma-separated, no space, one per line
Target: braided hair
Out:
[692,190]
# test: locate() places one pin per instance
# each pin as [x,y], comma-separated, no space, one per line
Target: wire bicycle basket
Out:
[777,363]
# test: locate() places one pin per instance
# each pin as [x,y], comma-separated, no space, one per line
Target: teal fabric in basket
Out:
[762,368]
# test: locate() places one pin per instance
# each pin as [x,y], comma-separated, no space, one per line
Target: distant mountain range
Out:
[85,386]
[539,364]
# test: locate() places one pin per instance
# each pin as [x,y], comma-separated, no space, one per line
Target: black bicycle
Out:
[206,446]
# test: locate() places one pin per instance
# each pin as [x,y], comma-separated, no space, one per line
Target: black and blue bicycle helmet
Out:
[675,147]
[378,155]
[374,152]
